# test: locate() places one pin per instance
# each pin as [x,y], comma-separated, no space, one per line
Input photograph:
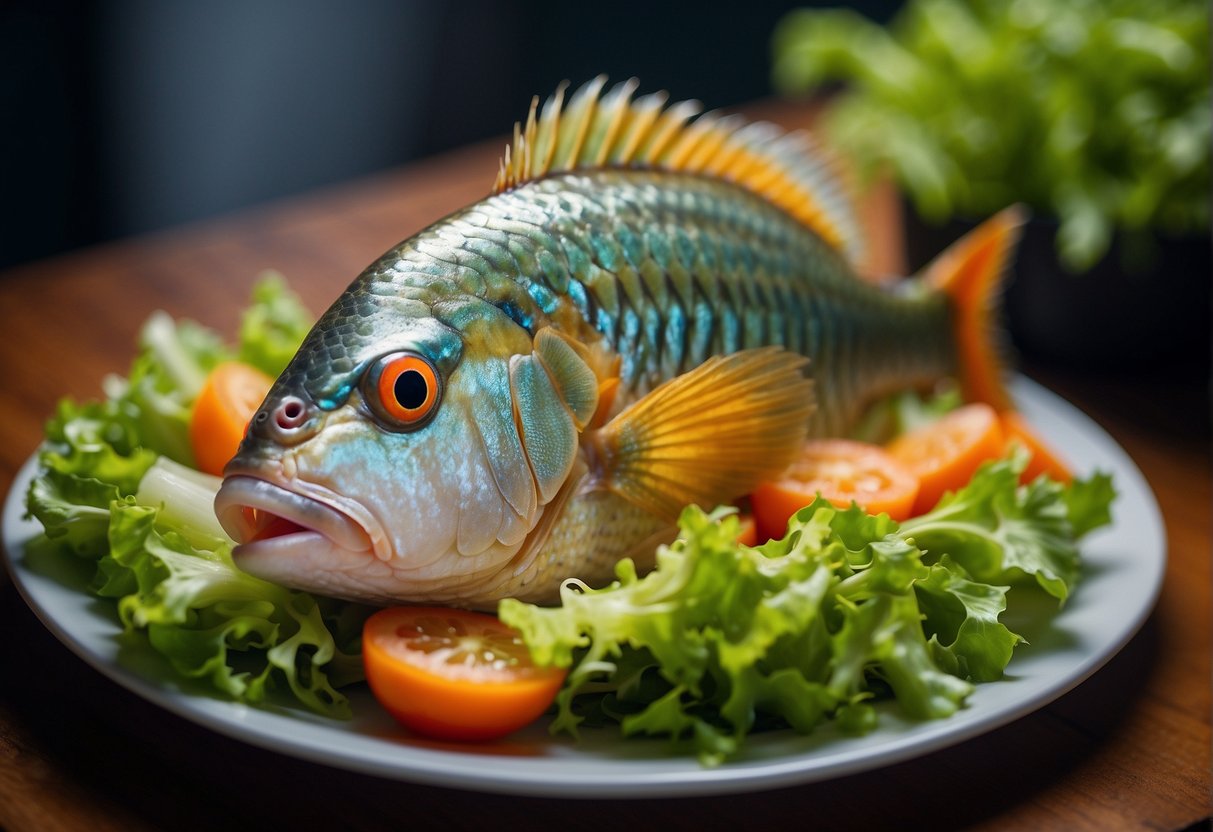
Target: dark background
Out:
[127,116]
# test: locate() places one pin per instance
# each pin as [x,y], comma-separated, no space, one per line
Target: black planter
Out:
[1134,312]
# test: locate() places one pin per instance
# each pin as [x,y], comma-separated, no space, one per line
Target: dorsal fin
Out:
[593,131]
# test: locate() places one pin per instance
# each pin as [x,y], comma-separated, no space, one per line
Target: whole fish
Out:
[650,310]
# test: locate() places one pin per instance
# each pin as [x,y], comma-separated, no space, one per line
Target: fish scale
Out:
[667,269]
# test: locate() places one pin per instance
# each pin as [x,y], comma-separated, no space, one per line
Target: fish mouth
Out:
[267,520]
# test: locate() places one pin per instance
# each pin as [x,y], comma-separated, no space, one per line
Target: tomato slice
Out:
[231,395]
[842,471]
[454,674]
[1044,460]
[945,454]
[747,534]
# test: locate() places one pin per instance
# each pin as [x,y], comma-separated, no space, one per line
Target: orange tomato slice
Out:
[842,471]
[747,535]
[945,454]
[231,395]
[1044,460]
[454,674]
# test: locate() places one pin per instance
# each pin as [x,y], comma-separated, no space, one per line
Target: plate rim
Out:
[665,774]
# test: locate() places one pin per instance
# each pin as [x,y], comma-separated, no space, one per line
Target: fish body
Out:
[531,388]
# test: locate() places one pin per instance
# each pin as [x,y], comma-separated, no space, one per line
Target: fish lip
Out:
[315,514]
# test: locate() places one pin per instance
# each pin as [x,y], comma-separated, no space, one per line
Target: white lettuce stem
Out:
[186,497]
[160,335]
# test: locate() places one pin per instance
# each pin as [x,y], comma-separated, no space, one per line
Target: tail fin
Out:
[970,272]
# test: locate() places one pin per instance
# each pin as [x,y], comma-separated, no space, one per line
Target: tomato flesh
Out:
[842,471]
[1043,460]
[946,453]
[454,674]
[231,395]
[747,533]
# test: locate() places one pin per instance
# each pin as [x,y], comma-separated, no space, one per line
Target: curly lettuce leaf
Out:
[173,578]
[1088,503]
[74,511]
[1096,113]
[91,459]
[109,493]
[721,639]
[165,378]
[961,617]
[734,637]
[999,531]
[211,620]
[97,440]
[274,326]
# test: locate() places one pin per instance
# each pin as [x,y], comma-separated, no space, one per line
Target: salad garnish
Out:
[720,640]
[118,487]
[846,609]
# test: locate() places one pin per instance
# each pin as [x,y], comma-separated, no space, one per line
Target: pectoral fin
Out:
[708,436]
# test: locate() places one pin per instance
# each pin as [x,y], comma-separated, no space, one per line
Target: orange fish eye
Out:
[404,388]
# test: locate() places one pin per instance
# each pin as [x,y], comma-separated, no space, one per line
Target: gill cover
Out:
[529,436]
[554,393]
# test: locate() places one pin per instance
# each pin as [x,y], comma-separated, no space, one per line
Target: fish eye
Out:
[403,388]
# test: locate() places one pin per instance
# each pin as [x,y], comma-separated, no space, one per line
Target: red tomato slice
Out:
[842,471]
[231,395]
[454,674]
[945,454]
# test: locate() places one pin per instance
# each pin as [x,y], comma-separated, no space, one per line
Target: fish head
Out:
[405,454]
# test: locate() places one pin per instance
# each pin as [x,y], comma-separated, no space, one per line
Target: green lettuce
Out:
[114,490]
[999,531]
[905,411]
[165,378]
[1095,113]
[211,620]
[721,639]
[273,326]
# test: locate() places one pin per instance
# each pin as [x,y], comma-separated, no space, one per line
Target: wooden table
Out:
[1128,749]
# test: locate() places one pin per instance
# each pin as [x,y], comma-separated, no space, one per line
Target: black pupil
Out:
[410,389]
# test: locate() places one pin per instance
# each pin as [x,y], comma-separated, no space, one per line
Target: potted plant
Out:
[1093,113]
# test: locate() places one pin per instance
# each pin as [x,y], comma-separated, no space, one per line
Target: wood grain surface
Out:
[1127,749]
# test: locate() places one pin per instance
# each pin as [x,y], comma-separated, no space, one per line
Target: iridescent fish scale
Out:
[667,269]
[554,274]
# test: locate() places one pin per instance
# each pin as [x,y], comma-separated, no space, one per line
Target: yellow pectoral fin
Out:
[710,435]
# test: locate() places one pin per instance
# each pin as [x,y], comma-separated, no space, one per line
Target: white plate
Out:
[1123,569]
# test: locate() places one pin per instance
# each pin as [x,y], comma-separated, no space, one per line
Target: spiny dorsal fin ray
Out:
[593,130]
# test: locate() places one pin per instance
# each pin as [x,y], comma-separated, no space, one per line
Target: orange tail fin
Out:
[970,272]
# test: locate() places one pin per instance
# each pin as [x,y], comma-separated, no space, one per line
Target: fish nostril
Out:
[290,414]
